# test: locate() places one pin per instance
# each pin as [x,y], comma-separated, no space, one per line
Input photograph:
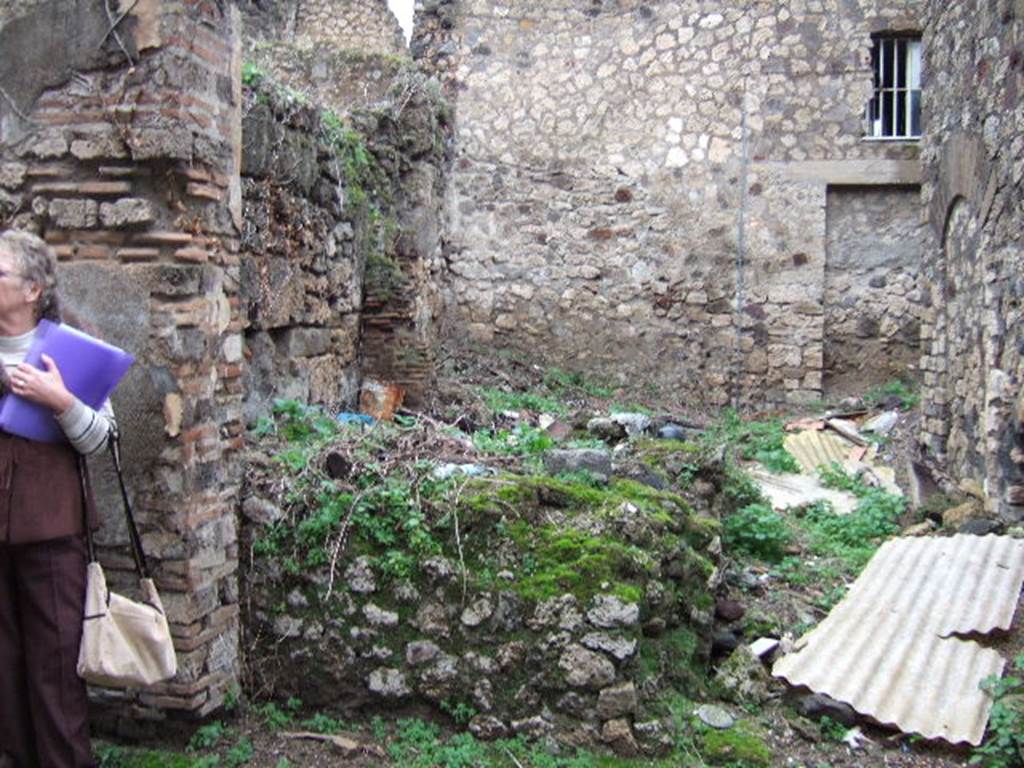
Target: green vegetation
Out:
[1004,743]
[757,530]
[738,747]
[754,441]
[558,560]
[252,74]
[904,393]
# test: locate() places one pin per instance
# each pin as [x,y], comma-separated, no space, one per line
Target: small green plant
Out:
[832,729]
[498,400]
[1004,744]
[524,440]
[207,736]
[321,723]
[241,753]
[252,74]
[754,441]
[902,393]
[566,382]
[757,530]
[460,712]
[277,717]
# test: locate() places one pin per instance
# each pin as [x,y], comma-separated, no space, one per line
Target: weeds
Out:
[902,394]
[757,530]
[754,441]
[1004,745]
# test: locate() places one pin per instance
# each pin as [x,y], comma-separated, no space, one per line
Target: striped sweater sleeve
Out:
[85,428]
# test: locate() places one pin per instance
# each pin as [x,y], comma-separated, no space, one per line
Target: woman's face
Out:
[17,295]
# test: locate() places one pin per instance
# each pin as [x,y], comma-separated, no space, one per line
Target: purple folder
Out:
[90,368]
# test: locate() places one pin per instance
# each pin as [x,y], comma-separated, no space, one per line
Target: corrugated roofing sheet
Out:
[812,449]
[785,491]
[889,648]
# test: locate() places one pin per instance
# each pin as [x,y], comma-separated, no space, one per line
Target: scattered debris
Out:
[635,424]
[445,471]
[381,399]
[854,737]
[345,746]
[813,449]
[788,491]
[891,649]
[763,646]
[882,424]
[355,418]
[920,529]
[847,429]
[817,705]
[715,717]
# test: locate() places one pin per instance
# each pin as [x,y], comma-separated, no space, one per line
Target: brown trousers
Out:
[43,702]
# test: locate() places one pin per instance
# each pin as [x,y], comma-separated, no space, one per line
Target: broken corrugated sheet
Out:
[785,491]
[887,650]
[814,449]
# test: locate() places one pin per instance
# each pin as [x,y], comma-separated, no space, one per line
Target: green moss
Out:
[556,561]
[678,656]
[738,746]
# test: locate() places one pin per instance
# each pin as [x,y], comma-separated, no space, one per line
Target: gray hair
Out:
[38,264]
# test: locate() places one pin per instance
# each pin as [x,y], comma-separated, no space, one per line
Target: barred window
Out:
[894,111]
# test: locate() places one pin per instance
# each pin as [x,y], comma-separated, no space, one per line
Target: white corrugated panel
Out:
[813,449]
[889,648]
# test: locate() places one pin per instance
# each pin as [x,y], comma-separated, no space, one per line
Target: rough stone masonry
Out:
[646,188]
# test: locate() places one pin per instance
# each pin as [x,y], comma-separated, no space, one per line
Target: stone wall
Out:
[304,245]
[130,170]
[366,26]
[876,242]
[641,187]
[972,322]
[403,118]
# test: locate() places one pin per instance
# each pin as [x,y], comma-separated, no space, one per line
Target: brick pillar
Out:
[131,171]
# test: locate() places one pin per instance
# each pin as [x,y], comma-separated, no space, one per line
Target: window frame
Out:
[896,65]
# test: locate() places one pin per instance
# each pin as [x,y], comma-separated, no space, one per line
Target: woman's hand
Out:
[45,387]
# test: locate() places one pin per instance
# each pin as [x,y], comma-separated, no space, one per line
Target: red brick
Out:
[138,254]
[163,238]
[48,170]
[55,188]
[204,190]
[93,251]
[194,174]
[78,119]
[123,170]
[105,187]
[192,254]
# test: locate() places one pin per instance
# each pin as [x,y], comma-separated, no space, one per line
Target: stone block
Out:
[12,175]
[305,342]
[72,213]
[128,211]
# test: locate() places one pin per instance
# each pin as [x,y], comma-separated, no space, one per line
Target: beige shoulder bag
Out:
[124,643]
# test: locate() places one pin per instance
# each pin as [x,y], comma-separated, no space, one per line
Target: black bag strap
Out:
[134,539]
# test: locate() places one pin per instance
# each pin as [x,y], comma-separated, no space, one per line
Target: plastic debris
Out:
[381,399]
[445,471]
[763,646]
[788,491]
[881,424]
[355,418]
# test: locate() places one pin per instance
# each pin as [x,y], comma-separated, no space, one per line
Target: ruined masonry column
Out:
[131,171]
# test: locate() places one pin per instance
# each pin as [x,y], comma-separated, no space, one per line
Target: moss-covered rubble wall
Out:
[513,603]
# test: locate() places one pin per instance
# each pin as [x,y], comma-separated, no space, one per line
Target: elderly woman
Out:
[43,508]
